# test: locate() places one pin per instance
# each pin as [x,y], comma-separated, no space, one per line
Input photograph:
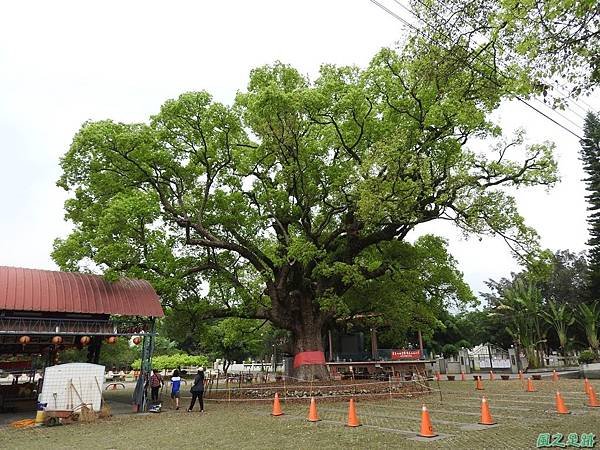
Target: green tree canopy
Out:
[294,203]
[546,44]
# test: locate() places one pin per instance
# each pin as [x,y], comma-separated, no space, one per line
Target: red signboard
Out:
[405,354]
[15,365]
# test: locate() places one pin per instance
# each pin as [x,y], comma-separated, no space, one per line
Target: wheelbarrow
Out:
[58,417]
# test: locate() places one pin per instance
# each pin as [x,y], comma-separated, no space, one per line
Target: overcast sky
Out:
[62,63]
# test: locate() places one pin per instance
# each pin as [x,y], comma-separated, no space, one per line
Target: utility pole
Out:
[490,355]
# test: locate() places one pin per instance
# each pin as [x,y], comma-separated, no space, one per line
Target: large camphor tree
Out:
[294,204]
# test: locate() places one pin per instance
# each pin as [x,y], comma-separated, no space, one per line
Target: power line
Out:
[561,114]
[549,118]
[393,14]
[429,38]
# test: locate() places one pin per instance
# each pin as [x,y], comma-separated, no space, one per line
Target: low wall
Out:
[591,371]
[330,390]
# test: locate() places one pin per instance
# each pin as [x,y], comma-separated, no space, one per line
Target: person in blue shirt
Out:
[175,387]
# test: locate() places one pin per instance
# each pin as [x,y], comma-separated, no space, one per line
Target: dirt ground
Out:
[387,423]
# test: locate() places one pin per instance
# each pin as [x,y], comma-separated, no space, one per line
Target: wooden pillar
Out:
[330,345]
[421,345]
[374,350]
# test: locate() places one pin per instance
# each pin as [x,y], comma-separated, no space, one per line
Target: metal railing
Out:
[34,325]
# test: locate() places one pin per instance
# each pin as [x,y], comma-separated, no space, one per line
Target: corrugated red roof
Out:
[49,291]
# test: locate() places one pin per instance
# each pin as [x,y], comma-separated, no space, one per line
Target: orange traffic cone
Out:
[462,376]
[554,375]
[479,384]
[352,417]
[560,404]
[520,375]
[276,406]
[593,401]
[586,385]
[491,376]
[486,416]
[530,387]
[426,427]
[313,416]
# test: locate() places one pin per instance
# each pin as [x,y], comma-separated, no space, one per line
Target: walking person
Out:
[175,387]
[198,390]
[156,383]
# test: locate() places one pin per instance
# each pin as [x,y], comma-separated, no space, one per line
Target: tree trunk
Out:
[309,341]
[226,364]
[297,311]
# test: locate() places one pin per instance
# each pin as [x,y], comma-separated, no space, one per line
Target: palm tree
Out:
[521,305]
[589,316]
[560,318]
[522,333]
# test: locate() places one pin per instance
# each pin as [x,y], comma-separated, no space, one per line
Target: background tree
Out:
[566,277]
[186,323]
[560,318]
[561,281]
[234,340]
[469,329]
[450,350]
[590,155]
[521,306]
[414,300]
[589,318]
[297,200]
[561,276]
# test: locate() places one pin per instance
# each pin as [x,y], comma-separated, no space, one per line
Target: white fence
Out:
[496,363]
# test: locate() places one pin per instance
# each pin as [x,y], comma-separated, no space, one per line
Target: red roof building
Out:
[43,313]
[38,306]
[71,292]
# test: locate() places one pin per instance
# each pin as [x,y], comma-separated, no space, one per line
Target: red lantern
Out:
[57,340]
[137,340]
[85,340]
[24,340]
[111,340]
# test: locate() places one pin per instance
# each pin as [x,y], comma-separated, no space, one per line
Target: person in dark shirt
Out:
[198,391]
[156,383]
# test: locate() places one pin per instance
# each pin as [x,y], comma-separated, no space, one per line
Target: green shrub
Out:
[464,343]
[587,357]
[449,350]
[162,362]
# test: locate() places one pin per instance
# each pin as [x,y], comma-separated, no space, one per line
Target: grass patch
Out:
[387,423]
